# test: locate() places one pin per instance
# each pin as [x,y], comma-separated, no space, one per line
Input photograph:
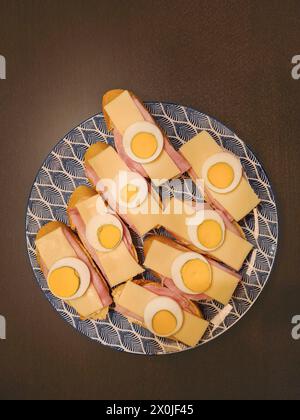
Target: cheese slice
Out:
[118,265]
[123,112]
[232,252]
[108,166]
[135,298]
[239,202]
[54,247]
[161,257]
[162,169]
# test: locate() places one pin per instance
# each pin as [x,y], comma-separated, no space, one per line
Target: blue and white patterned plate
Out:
[62,172]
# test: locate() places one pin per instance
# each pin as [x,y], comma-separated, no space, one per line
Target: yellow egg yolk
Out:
[64,282]
[164,322]
[221,175]
[144,145]
[196,275]
[129,192]
[210,234]
[109,236]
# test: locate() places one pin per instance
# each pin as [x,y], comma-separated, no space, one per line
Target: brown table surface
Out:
[230,59]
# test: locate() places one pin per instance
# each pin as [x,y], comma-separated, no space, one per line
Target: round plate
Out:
[62,172]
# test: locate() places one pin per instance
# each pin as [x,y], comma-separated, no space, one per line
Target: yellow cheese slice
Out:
[232,252]
[118,264]
[161,169]
[238,202]
[53,247]
[134,298]
[123,112]
[107,166]
[161,256]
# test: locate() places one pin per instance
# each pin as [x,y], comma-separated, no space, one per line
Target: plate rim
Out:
[241,316]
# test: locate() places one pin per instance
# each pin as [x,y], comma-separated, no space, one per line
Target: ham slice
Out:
[99,284]
[76,220]
[210,199]
[80,226]
[181,163]
[173,294]
[182,301]
[128,314]
[212,204]
[101,189]
[170,285]
[91,174]
[134,166]
[97,281]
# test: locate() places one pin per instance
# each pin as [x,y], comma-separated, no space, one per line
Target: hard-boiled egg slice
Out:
[192,273]
[104,232]
[131,190]
[206,230]
[69,278]
[143,142]
[222,172]
[163,316]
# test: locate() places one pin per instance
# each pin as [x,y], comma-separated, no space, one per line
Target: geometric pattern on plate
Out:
[62,171]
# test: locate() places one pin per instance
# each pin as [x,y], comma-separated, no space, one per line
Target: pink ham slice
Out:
[182,301]
[173,294]
[127,313]
[176,157]
[100,286]
[80,226]
[93,177]
[170,285]
[212,204]
[134,166]
[91,174]
[180,161]
[208,196]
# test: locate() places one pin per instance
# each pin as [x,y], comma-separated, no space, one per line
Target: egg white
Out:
[232,161]
[161,303]
[95,224]
[177,268]
[195,222]
[83,272]
[145,127]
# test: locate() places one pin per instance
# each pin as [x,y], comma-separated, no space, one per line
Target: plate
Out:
[62,171]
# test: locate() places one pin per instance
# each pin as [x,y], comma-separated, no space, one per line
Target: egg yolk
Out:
[164,322]
[221,175]
[210,234]
[64,282]
[144,145]
[129,192]
[109,236]
[196,275]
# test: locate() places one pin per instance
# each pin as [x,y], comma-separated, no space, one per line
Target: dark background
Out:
[230,59]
